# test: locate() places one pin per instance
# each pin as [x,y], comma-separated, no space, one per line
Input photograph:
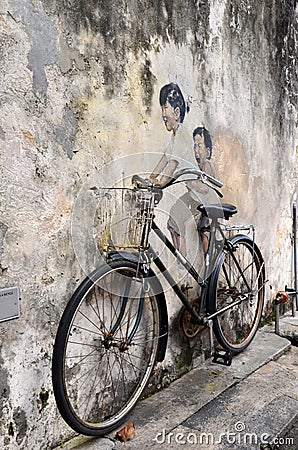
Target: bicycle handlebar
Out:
[202,175]
[141,183]
[213,183]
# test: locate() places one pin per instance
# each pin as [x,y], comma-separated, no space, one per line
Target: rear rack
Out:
[231,229]
[239,228]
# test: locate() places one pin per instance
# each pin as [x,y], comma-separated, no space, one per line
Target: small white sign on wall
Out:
[9,303]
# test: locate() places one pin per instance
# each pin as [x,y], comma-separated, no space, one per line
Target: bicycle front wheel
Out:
[237,288]
[105,348]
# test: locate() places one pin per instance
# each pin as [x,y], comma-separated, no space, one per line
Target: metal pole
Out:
[277,316]
[295,299]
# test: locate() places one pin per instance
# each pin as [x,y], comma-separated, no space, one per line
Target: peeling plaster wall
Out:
[79,88]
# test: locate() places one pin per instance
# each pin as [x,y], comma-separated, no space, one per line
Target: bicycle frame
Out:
[147,255]
[201,317]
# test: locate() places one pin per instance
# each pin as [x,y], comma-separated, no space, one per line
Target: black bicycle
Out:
[115,326]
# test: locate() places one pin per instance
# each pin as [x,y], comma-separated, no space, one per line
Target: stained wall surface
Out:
[79,88]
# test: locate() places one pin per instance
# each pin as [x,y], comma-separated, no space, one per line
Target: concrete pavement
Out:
[246,405]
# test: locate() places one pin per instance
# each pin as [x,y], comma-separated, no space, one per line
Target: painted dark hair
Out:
[172,93]
[207,138]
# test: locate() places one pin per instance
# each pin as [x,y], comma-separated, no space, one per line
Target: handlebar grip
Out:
[220,194]
[213,180]
[139,182]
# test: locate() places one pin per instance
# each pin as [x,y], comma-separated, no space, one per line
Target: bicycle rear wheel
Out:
[237,284]
[105,349]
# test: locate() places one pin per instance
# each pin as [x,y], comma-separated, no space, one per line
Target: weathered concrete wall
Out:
[79,88]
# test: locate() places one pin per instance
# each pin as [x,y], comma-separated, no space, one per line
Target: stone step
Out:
[288,327]
[252,413]
[215,399]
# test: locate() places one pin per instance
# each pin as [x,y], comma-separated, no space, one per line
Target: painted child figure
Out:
[203,152]
[178,155]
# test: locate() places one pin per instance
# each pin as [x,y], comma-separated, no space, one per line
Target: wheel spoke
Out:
[110,345]
[239,276]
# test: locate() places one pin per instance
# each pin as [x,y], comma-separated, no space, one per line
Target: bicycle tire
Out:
[98,376]
[236,327]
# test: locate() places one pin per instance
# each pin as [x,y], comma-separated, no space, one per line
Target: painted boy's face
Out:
[170,116]
[200,149]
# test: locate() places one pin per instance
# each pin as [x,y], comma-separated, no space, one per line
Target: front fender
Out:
[161,301]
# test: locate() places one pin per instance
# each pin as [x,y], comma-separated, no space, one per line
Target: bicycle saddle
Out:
[224,211]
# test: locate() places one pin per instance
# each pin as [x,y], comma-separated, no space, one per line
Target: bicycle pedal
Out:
[223,357]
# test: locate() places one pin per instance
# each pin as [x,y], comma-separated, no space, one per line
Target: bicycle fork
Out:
[125,305]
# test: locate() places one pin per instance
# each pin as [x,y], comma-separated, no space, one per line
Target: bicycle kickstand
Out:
[210,326]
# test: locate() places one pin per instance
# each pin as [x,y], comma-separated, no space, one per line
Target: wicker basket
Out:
[124,218]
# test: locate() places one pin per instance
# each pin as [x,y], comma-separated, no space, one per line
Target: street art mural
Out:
[110,212]
[83,104]
[179,154]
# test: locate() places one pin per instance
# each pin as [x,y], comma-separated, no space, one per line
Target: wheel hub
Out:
[109,342]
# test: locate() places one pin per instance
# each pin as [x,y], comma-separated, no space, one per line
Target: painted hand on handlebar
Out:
[144,183]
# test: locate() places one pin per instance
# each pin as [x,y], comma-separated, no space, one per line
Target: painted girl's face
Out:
[200,149]
[170,116]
